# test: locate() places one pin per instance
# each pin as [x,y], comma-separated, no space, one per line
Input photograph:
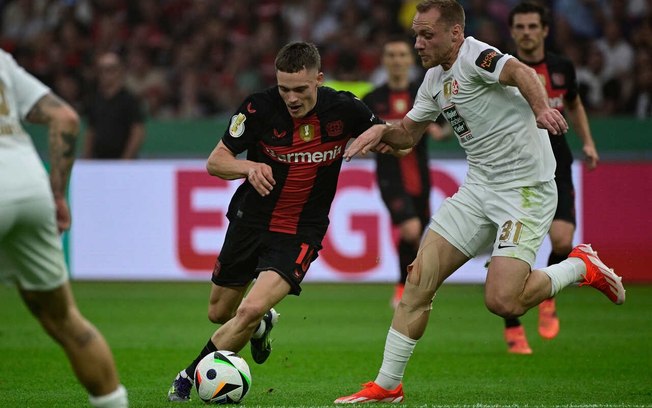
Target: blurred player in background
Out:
[32,214]
[529,24]
[116,120]
[404,182]
[498,110]
[295,135]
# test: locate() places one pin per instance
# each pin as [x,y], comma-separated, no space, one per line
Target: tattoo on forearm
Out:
[69,142]
[62,140]
[62,156]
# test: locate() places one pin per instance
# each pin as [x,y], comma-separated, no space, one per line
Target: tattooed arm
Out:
[63,128]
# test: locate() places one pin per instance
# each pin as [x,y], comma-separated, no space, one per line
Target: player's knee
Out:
[410,240]
[250,314]
[504,307]
[562,243]
[219,316]
[562,246]
[220,312]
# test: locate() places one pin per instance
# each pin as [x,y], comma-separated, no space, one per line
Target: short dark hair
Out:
[400,38]
[530,7]
[451,11]
[296,56]
[403,38]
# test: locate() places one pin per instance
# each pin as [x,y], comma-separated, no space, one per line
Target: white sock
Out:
[260,330]
[564,273]
[398,349]
[116,399]
[185,375]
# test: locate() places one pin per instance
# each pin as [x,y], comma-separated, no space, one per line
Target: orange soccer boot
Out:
[599,275]
[516,340]
[372,392]
[548,320]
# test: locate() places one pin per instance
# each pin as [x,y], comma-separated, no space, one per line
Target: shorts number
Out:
[305,256]
[506,232]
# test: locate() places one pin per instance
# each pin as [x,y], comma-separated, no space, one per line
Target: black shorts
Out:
[565,201]
[248,251]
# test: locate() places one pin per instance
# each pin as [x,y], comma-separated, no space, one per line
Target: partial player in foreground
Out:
[495,104]
[33,213]
[529,24]
[404,182]
[295,135]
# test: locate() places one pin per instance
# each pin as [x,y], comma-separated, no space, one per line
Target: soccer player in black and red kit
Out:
[529,25]
[294,135]
[404,182]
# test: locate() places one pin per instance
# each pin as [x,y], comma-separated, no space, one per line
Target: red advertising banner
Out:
[617,217]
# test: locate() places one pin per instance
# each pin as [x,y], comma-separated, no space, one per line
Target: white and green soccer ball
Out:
[222,377]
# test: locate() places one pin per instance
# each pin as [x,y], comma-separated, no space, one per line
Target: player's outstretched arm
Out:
[63,128]
[366,142]
[223,163]
[515,73]
[399,136]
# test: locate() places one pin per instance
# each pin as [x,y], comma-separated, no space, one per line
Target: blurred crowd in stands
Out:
[199,58]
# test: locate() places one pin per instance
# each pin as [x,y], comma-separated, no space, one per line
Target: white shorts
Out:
[30,247]
[515,220]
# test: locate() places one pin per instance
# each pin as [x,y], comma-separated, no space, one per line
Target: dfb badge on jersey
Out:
[237,127]
[307,132]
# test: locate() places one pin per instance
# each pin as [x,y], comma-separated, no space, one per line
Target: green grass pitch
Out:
[330,340]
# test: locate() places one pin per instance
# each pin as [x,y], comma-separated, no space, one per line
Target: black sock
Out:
[512,322]
[407,252]
[555,258]
[208,348]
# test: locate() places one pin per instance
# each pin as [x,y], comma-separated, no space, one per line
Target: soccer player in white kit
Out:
[33,211]
[499,111]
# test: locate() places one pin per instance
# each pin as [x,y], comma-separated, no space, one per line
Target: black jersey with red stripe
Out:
[557,75]
[305,156]
[409,176]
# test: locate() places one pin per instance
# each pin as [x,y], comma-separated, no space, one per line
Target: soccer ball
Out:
[222,377]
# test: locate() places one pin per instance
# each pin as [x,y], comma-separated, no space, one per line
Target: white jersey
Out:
[21,171]
[494,123]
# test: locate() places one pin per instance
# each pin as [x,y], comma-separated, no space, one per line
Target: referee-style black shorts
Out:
[248,251]
[565,200]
